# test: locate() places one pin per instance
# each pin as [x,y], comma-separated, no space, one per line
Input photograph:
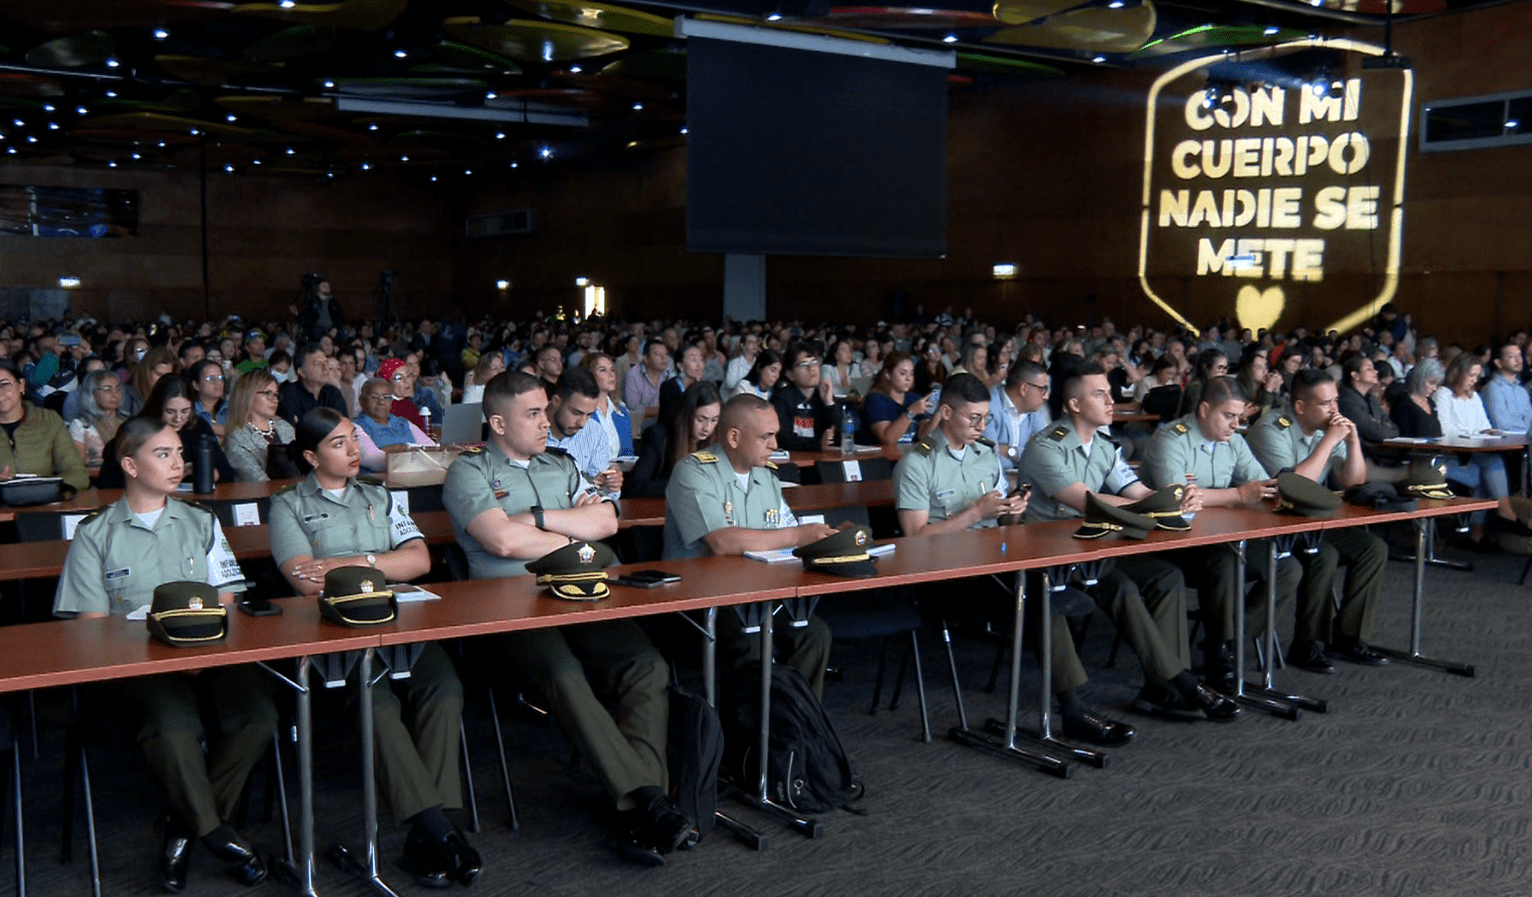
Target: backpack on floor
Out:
[807,769]
[695,755]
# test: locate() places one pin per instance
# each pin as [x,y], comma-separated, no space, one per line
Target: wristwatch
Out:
[1010,452]
[372,560]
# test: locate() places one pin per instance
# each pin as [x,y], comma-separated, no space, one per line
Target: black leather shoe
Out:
[175,855]
[655,823]
[1310,656]
[427,859]
[1094,729]
[1216,708]
[1218,668]
[1357,652]
[466,862]
[242,863]
[1163,701]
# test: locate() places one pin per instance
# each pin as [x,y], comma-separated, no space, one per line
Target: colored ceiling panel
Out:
[357,15]
[603,16]
[1095,29]
[524,39]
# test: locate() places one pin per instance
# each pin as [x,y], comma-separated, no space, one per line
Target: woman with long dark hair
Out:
[690,429]
[171,401]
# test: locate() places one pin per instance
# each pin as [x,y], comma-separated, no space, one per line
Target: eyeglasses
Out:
[808,363]
[7,384]
[978,420]
[268,393]
[212,378]
[109,389]
[1043,387]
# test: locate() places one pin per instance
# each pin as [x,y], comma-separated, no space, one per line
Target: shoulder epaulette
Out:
[556,451]
[1058,433]
[288,488]
[1181,428]
[91,516]
[1284,422]
[985,441]
[771,465]
[198,505]
[474,450]
[926,445]
[370,479]
[705,457]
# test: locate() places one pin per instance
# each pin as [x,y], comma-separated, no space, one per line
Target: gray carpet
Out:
[1416,783]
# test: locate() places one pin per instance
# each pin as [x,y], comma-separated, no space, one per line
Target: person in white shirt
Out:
[1461,413]
[741,364]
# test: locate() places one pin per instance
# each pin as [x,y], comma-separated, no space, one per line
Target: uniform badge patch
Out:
[194,603]
[366,586]
[586,553]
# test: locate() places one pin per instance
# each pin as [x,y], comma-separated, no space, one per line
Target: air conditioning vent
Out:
[500,224]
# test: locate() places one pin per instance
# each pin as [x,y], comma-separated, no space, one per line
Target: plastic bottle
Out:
[847,431]
[1191,480]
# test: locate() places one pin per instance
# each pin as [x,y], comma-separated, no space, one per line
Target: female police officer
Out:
[329,520]
[118,556]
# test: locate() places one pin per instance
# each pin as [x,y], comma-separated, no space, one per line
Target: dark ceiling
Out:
[444,87]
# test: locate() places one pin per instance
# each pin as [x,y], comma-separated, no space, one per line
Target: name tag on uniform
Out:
[313,517]
[945,494]
[118,574]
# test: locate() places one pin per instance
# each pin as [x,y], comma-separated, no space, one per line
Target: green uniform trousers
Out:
[804,648]
[1213,571]
[628,750]
[420,769]
[1146,598]
[1365,556]
[239,706]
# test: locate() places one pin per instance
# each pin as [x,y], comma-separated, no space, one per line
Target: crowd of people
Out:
[999,425]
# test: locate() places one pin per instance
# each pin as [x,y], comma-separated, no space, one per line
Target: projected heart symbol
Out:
[1258,308]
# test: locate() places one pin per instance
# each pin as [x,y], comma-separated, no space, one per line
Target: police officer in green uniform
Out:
[1205,447]
[1145,594]
[118,556]
[516,501]
[330,520]
[726,500]
[1316,441]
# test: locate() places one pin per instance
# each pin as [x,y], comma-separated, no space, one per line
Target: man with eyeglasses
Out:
[1145,595]
[1019,411]
[34,440]
[805,403]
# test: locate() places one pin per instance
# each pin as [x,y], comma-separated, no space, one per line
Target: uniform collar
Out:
[309,487]
[121,513]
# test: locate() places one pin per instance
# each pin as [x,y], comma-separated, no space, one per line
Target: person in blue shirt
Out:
[611,415]
[1506,400]
[569,414]
[1018,411]
[895,413]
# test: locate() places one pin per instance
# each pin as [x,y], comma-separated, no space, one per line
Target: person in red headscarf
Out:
[397,374]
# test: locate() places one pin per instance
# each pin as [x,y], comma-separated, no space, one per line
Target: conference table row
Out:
[39,655]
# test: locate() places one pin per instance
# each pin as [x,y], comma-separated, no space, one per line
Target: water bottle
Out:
[1191,480]
[847,431]
[425,416]
[202,465]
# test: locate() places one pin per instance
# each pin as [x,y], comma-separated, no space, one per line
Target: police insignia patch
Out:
[587,553]
[194,603]
[366,587]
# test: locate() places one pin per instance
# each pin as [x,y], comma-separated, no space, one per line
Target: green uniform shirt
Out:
[1179,448]
[306,519]
[481,481]
[1055,459]
[943,481]
[116,560]
[1279,444]
[705,493]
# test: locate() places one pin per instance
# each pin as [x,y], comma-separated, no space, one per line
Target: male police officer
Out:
[514,502]
[1145,594]
[1309,439]
[1207,445]
[726,500]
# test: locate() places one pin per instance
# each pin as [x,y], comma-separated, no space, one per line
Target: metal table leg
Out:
[338,854]
[1008,747]
[811,828]
[1424,529]
[739,829]
[1252,700]
[1267,688]
[300,873]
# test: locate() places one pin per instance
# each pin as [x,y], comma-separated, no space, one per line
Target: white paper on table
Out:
[139,615]
[878,551]
[775,556]
[811,518]
[853,470]
[247,513]
[405,594]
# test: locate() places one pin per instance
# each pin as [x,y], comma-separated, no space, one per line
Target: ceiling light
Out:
[575,70]
[11,150]
[1004,270]
[161,34]
[468,172]
[255,161]
[950,39]
[229,169]
[112,93]
[161,144]
[230,117]
[490,95]
[638,107]
[137,156]
[404,158]
[500,136]
[546,152]
[1320,88]
[433,178]
[80,110]
[287,4]
[684,129]
[329,85]
[1116,4]
[373,126]
[515,164]
[69,282]
[112,164]
[1098,59]
[366,166]
[502,284]
[290,150]
[47,107]
[31,139]
[53,126]
[1512,124]
[195,132]
[582,281]
[19,123]
[774,17]
[1271,29]
[112,63]
[400,54]
[330,174]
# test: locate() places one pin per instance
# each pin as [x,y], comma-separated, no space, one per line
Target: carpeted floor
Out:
[1416,783]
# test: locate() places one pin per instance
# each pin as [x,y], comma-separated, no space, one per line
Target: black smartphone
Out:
[647,579]
[1023,489]
[259,607]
